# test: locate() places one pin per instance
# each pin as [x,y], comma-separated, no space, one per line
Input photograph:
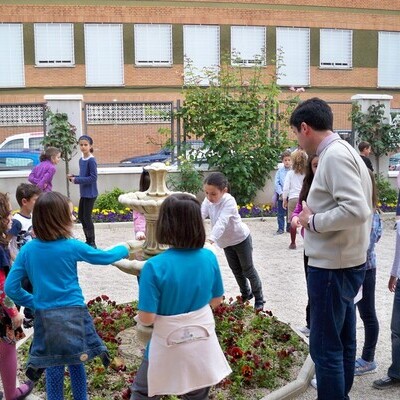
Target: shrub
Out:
[109,200]
[189,180]
[386,193]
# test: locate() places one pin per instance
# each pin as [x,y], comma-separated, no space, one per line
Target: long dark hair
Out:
[308,178]
[179,223]
[51,217]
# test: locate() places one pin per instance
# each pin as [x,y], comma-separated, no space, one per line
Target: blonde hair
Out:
[299,161]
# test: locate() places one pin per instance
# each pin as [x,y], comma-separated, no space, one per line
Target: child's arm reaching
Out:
[216,301]
[13,286]
[145,318]
[229,210]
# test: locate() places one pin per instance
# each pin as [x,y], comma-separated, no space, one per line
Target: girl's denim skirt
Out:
[63,336]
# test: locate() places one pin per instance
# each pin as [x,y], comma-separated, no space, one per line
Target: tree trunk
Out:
[67,180]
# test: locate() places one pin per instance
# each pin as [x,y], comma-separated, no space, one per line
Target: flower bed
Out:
[248,211]
[263,352]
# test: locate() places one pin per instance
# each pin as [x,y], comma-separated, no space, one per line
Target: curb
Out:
[296,387]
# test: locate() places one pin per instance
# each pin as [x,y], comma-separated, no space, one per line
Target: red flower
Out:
[104,297]
[235,352]
[247,372]
[267,365]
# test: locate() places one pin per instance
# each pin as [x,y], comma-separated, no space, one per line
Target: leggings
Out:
[55,382]
[85,216]
[8,369]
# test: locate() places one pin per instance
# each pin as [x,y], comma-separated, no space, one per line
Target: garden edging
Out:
[296,387]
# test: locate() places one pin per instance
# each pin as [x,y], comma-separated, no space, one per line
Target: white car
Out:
[30,140]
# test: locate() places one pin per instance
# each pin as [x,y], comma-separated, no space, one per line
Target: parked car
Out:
[29,140]
[164,155]
[19,159]
[394,162]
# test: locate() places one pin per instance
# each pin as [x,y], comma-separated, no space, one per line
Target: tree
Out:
[241,122]
[61,134]
[374,128]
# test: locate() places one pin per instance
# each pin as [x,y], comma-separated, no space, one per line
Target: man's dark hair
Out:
[363,145]
[179,223]
[315,113]
[26,191]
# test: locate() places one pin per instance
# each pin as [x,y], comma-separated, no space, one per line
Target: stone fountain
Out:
[148,203]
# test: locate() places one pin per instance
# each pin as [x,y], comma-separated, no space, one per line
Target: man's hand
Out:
[305,214]
[392,283]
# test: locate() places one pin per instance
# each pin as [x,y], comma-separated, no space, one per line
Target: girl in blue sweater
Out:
[87,181]
[64,333]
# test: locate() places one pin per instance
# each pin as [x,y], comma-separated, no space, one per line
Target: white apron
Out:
[184,354]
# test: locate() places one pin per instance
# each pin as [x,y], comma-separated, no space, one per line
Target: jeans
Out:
[333,328]
[240,260]
[394,369]
[140,387]
[282,213]
[366,308]
[305,259]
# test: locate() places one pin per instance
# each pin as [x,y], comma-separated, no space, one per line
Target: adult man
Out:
[337,218]
[365,150]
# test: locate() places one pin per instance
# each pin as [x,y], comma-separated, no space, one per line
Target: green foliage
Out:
[109,200]
[372,127]
[61,134]
[189,180]
[386,193]
[241,122]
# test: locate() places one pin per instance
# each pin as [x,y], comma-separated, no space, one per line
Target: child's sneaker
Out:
[28,323]
[364,367]
[259,305]
[305,331]
[314,382]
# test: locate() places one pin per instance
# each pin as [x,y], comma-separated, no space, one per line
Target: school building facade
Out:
[123,51]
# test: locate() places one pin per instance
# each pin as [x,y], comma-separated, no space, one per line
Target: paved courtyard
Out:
[282,274]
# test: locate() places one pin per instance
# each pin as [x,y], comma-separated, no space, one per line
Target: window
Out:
[54,45]
[336,48]
[201,53]
[12,68]
[293,56]
[128,113]
[104,55]
[389,59]
[248,46]
[153,44]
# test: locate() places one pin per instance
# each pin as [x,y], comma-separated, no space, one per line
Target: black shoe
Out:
[247,298]
[28,323]
[386,383]
[278,232]
[259,305]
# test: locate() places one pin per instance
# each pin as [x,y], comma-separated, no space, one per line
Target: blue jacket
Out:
[87,179]
[280,179]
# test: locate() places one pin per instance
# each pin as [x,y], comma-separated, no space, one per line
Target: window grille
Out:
[21,115]
[336,48]
[12,67]
[104,58]
[389,60]
[153,44]
[201,52]
[128,113]
[248,45]
[293,56]
[54,45]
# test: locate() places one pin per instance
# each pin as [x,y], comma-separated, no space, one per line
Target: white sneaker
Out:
[305,331]
[314,382]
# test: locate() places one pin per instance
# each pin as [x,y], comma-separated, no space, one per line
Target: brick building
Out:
[134,51]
